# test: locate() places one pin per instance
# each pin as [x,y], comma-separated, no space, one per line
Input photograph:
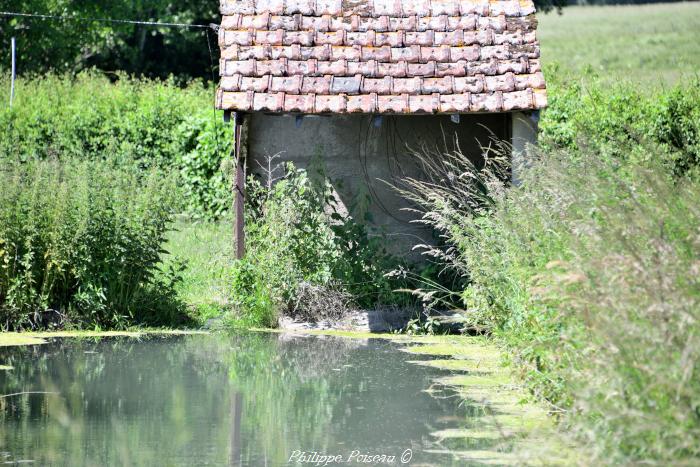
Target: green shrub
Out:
[588,115]
[295,237]
[153,124]
[205,167]
[84,239]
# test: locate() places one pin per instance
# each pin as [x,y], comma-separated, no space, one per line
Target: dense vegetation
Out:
[80,245]
[92,174]
[148,123]
[306,259]
[588,272]
[303,259]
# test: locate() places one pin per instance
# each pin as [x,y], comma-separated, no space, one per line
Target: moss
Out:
[464,348]
[359,335]
[12,339]
[502,411]
[465,433]
[452,365]
[484,380]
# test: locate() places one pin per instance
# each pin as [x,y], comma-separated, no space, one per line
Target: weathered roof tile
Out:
[263,102]
[518,100]
[380,56]
[387,7]
[331,104]
[444,7]
[478,7]
[438,54]
[368,68]
[364,103]
[289,84]
[455,103]
[377,85]
[305,103]
[408,54]
[416,7]
[424,104]
[346,85]
[425,38]
[275,7]
[242,7]
[329,7]
[393,104]
[407,85]
[451,69]
[251,83]
[467,84]
[487,102]
[438,85]
[316,85]
[304,7]
[432,23]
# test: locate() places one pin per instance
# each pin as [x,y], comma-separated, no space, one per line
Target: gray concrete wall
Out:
[525,126]
[360,155]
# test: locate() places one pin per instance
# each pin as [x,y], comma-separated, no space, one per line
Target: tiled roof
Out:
[380,56]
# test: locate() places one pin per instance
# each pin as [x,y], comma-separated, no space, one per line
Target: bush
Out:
[588,273]
[624,121]
[297,244]
[82,240]
[149,123]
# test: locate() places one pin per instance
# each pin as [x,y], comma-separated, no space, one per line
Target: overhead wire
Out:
[108,20]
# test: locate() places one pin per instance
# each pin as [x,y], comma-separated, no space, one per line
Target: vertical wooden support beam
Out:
[239,185]
[14,69]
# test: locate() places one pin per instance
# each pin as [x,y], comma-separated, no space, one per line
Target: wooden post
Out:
[239,188]
[14,69]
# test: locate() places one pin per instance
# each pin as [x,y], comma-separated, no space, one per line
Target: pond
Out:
[250,399]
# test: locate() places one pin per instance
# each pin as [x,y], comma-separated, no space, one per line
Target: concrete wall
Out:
[525,126]
[360,154]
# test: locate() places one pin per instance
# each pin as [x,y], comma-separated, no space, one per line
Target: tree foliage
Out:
[76,44]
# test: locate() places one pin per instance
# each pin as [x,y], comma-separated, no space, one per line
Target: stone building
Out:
[360,83]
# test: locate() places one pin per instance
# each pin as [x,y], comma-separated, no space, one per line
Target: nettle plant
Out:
[304,257]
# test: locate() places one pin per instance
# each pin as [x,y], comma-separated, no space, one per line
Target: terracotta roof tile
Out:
[380,56]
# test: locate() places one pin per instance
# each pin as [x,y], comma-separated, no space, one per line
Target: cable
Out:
[110,20]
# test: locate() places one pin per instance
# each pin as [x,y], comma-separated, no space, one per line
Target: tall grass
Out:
[80,242]
[588,274]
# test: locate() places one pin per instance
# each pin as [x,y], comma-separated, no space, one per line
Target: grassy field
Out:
[207,252]
[649,44]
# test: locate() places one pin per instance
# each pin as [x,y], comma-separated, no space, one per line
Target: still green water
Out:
[249,399]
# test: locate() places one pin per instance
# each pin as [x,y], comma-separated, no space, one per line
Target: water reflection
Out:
[250,399]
